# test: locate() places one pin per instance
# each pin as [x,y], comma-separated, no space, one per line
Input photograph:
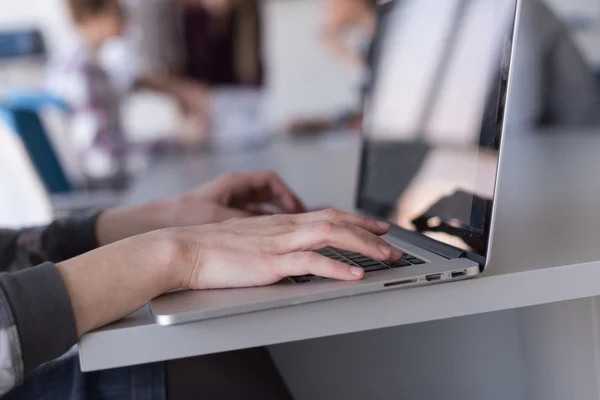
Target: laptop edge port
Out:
[433,277]
[459,274]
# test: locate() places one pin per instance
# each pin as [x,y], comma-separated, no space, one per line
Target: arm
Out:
[344,16]
[333,39]
[68,300]
[191,95]
[59,241]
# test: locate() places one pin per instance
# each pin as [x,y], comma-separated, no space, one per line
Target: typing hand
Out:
[264,250]
[238,196]
[231,196]
[113,281]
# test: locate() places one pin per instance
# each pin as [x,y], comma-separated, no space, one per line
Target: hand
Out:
[262,251]
[238,196]
[231,196]
[239,253]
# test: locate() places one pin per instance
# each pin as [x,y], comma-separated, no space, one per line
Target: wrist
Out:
[122,223]
[176,258]
[109,283]
[182,255]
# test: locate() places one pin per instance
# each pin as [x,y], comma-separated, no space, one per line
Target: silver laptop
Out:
[432,127]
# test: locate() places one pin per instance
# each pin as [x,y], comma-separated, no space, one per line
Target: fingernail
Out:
[356,271]
[386,250]
[383,225]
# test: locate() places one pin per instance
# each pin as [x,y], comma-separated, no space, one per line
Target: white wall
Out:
[305,79]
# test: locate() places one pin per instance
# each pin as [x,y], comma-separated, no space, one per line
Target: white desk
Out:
[547,251]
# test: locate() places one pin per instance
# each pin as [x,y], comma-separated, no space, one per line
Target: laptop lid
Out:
[434,117]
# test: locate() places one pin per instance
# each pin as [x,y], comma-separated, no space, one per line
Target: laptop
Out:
[433,120]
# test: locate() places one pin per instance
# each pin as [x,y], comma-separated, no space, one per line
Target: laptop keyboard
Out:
[358,260]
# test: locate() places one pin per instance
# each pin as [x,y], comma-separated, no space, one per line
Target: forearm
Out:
[164,83]
[335,42]
[125,222]
[61,240]
[43,310]
[114,281]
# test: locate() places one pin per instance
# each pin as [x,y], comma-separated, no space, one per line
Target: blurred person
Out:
[96,99]
[93,270]
[343,19]
[222,42]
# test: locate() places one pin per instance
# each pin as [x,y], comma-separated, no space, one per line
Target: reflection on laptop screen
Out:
[433,117]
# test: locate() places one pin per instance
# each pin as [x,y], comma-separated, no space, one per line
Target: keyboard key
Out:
[373,268]
[368,263]
[362,259]
[416,261]
[400,264]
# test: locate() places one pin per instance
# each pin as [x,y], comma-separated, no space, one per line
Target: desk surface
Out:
[545,250]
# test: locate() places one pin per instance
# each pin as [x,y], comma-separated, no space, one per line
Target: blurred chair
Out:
[35,100]
[54,114]
[23,55]
[18,43]
[23,198]
[27,124]
[66,196]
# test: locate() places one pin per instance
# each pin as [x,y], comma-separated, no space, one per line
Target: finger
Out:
[310,263]
[336,216]
[342,236]
[266,187]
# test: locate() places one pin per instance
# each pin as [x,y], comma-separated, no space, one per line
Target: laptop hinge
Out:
[434,246]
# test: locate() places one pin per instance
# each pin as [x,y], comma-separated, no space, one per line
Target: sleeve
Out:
[59,241]
[33,330]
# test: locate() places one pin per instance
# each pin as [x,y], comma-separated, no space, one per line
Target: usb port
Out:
[459,274]
[433,277]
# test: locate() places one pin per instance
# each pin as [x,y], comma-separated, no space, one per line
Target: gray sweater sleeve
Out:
[61,240]
[37,323]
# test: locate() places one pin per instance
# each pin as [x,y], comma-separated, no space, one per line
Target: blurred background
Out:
[185,77]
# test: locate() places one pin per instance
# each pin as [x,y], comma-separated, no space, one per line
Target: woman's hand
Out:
[231,196]
[262,251]
[115,280]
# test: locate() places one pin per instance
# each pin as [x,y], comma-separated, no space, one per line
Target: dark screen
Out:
[433,117]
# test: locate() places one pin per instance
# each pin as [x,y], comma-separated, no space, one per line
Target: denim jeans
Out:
[62,379]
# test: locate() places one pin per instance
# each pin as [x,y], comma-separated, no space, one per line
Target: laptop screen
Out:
[434,110]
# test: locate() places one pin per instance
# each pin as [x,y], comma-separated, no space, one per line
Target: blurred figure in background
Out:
[81,79]
[344,18]
[217,45]
[223,42]
[348,33]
